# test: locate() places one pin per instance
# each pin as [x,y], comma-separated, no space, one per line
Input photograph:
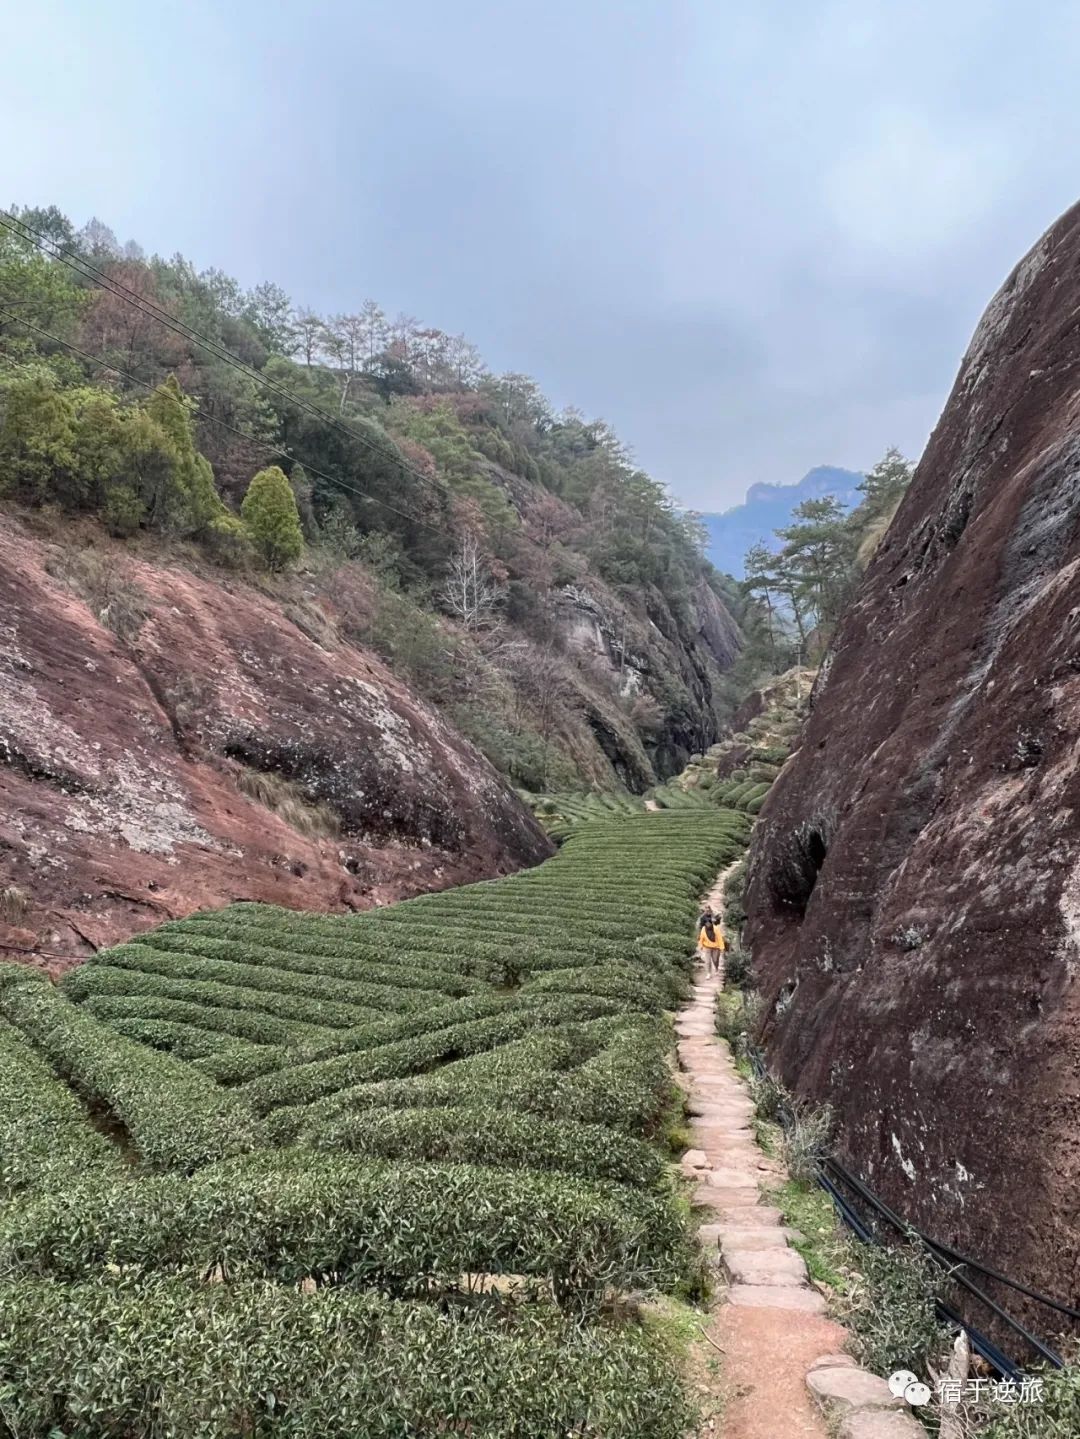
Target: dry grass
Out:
[14,905]
[105,584]
[806,1139]
[189,700]
[289,802]
[312,621]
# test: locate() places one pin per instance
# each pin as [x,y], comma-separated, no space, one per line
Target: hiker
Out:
[711,941]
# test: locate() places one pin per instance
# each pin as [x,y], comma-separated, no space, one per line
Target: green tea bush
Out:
[467,1085]
[303,1214]
[322,959]
[564,1047]
[892,1312]
[625,1086]
[771,754]
[505,1140]
[331,1043]
[45,1139]
[1056,1416]
[162,1359]
[101,978]
[175,1117]
[259,1029]
[764,773]
[303,1083]
[609,981]
[186,1041]
[236,972]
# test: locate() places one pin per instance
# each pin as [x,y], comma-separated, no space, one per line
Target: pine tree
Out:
[270,516]
[814,566]
[883,487]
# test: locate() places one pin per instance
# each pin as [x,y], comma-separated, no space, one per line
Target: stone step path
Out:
[784,1375]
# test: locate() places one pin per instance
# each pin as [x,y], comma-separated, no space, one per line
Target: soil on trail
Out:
[768,1322]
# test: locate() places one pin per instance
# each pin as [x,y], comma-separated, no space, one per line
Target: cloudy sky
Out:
[755,236]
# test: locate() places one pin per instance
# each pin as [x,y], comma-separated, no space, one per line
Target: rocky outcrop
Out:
[182,742]
[716,627]
[915,885]
[646,651]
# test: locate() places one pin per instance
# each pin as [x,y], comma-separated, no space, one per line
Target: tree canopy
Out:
[799,586]
[271,518]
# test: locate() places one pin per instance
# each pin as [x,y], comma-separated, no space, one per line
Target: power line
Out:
[265,445]
[83,267]
[87,271]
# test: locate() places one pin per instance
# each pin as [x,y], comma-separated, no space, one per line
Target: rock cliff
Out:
[915,880]
[171,739]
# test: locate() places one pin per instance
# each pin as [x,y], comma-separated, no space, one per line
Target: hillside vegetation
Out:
[274,1170]
[523,573]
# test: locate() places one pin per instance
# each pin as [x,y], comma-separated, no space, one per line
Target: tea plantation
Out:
[275,1174]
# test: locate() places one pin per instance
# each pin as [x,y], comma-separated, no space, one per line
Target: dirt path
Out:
[770,1322]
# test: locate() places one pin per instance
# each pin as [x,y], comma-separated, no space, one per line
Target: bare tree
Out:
[401,330]
[471,593]
[375,329]
[344,338]
[463,363]
[310,333]
[542,681]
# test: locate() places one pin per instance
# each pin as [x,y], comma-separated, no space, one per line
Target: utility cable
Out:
[266,445]
[149,308]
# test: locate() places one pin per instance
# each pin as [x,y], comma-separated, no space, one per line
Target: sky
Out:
[754,236]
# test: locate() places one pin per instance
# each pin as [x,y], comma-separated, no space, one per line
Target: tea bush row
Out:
[257,1029]
[45,1138]
[242,970]
[176,1118]
[625,1086]
[98,977]
[185,1041]
[503,1138]
[301,1214]
[398,970]
[305,1082]
[158,1358]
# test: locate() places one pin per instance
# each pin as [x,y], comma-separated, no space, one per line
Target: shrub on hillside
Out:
[271,518]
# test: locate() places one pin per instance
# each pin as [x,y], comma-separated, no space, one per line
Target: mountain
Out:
[768,507]
[915,893]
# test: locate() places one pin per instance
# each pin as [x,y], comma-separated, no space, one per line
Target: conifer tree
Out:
[189,501]
[270,516]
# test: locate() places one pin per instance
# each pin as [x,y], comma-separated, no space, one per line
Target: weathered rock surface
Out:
[655,657]
[120,761]
[915,881]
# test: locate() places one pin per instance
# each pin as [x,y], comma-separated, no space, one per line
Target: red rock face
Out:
[119,762]
[915,880]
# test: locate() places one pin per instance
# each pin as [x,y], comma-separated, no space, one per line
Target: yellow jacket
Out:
[706,943]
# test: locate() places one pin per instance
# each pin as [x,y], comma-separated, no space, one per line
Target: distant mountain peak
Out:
[766,508]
